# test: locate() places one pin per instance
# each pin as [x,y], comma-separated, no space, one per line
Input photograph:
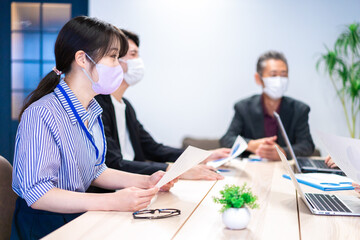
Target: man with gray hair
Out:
[254,116]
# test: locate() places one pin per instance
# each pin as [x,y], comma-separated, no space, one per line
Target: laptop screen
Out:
[288,144]
[292,176]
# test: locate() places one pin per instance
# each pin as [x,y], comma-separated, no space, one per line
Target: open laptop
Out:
[304,164]
[324,204]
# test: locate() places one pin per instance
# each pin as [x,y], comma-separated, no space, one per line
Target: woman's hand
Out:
[132,199]
[217,154]
[155,178]
[330,162]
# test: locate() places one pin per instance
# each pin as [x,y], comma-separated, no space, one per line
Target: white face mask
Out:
[135,71]
[275,87]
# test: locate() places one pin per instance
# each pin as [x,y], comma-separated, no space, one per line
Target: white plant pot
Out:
[236,218]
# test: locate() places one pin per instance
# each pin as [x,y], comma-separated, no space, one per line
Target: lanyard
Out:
[83,126]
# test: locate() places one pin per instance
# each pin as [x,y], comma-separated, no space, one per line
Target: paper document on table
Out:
[323,181]
[345,152]
[239,146]
[188,159]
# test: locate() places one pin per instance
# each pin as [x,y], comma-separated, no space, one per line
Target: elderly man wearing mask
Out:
[254,119]
[129,146]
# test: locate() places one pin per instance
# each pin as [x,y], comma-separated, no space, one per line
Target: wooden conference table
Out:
[282,214]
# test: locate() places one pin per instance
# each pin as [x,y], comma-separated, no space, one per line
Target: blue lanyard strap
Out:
[83,126]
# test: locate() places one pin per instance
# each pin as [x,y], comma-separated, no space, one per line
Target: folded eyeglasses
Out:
[156,213]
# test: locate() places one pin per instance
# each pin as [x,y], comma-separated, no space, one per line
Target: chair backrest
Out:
[7,199]
[206,144]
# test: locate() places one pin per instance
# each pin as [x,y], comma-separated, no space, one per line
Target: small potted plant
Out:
[236,200]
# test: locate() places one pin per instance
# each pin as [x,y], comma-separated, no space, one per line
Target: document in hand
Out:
[324,181]
[345,152]
[188,159]
[239,146]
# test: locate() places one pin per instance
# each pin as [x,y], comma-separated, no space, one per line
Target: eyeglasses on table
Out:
[156,213]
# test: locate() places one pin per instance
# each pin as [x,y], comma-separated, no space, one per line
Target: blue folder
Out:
[324,186]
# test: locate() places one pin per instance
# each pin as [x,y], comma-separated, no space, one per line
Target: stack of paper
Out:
[239,146]
[324,181]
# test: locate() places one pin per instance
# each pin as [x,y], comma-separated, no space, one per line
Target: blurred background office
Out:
[199,55]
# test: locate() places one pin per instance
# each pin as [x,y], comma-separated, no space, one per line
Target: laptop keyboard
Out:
[325,202]
[320,164]
[304,162]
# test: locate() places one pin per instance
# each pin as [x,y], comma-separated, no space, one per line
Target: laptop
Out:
[304,164]
[324,204]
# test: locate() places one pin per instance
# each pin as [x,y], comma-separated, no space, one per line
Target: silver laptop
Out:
[324,204]
[304,164]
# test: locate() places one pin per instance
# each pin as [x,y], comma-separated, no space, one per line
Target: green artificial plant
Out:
[236,197]
[342,64]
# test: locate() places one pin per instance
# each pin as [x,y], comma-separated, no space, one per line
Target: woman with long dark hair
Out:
[60,143]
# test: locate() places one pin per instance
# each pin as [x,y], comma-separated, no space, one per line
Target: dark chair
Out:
[7,199]
[203,143]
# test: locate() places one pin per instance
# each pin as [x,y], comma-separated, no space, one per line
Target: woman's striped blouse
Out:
[51,148]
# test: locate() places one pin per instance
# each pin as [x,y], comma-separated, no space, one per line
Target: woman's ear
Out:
[258,80]
[80,58]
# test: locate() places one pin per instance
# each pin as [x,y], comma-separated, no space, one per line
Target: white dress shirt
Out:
[127,150]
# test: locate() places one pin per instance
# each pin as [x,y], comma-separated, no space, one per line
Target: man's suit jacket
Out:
[145,147]
[248,122]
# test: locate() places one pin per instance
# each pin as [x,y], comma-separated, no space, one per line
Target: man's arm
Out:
[156,151]
[139,167]
[114,158]
[152,150]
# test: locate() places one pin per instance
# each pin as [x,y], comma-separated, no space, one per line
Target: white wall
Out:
[200,58]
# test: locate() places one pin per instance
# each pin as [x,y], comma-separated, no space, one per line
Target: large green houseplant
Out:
[342,64]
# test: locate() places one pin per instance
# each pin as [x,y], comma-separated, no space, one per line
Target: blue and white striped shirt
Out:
[51,148]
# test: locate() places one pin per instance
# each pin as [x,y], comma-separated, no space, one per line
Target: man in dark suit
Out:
[129,145]
[254,119]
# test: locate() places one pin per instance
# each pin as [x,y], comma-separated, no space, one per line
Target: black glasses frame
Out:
[170,213]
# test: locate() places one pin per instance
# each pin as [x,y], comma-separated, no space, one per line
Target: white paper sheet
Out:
[188,159]
[345,152]
[239,146]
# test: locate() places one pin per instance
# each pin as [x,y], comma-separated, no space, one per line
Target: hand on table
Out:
[218,154]
[267,150]
[201,172]
[253,145]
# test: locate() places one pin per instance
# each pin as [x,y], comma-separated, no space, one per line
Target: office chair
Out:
[206,144]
